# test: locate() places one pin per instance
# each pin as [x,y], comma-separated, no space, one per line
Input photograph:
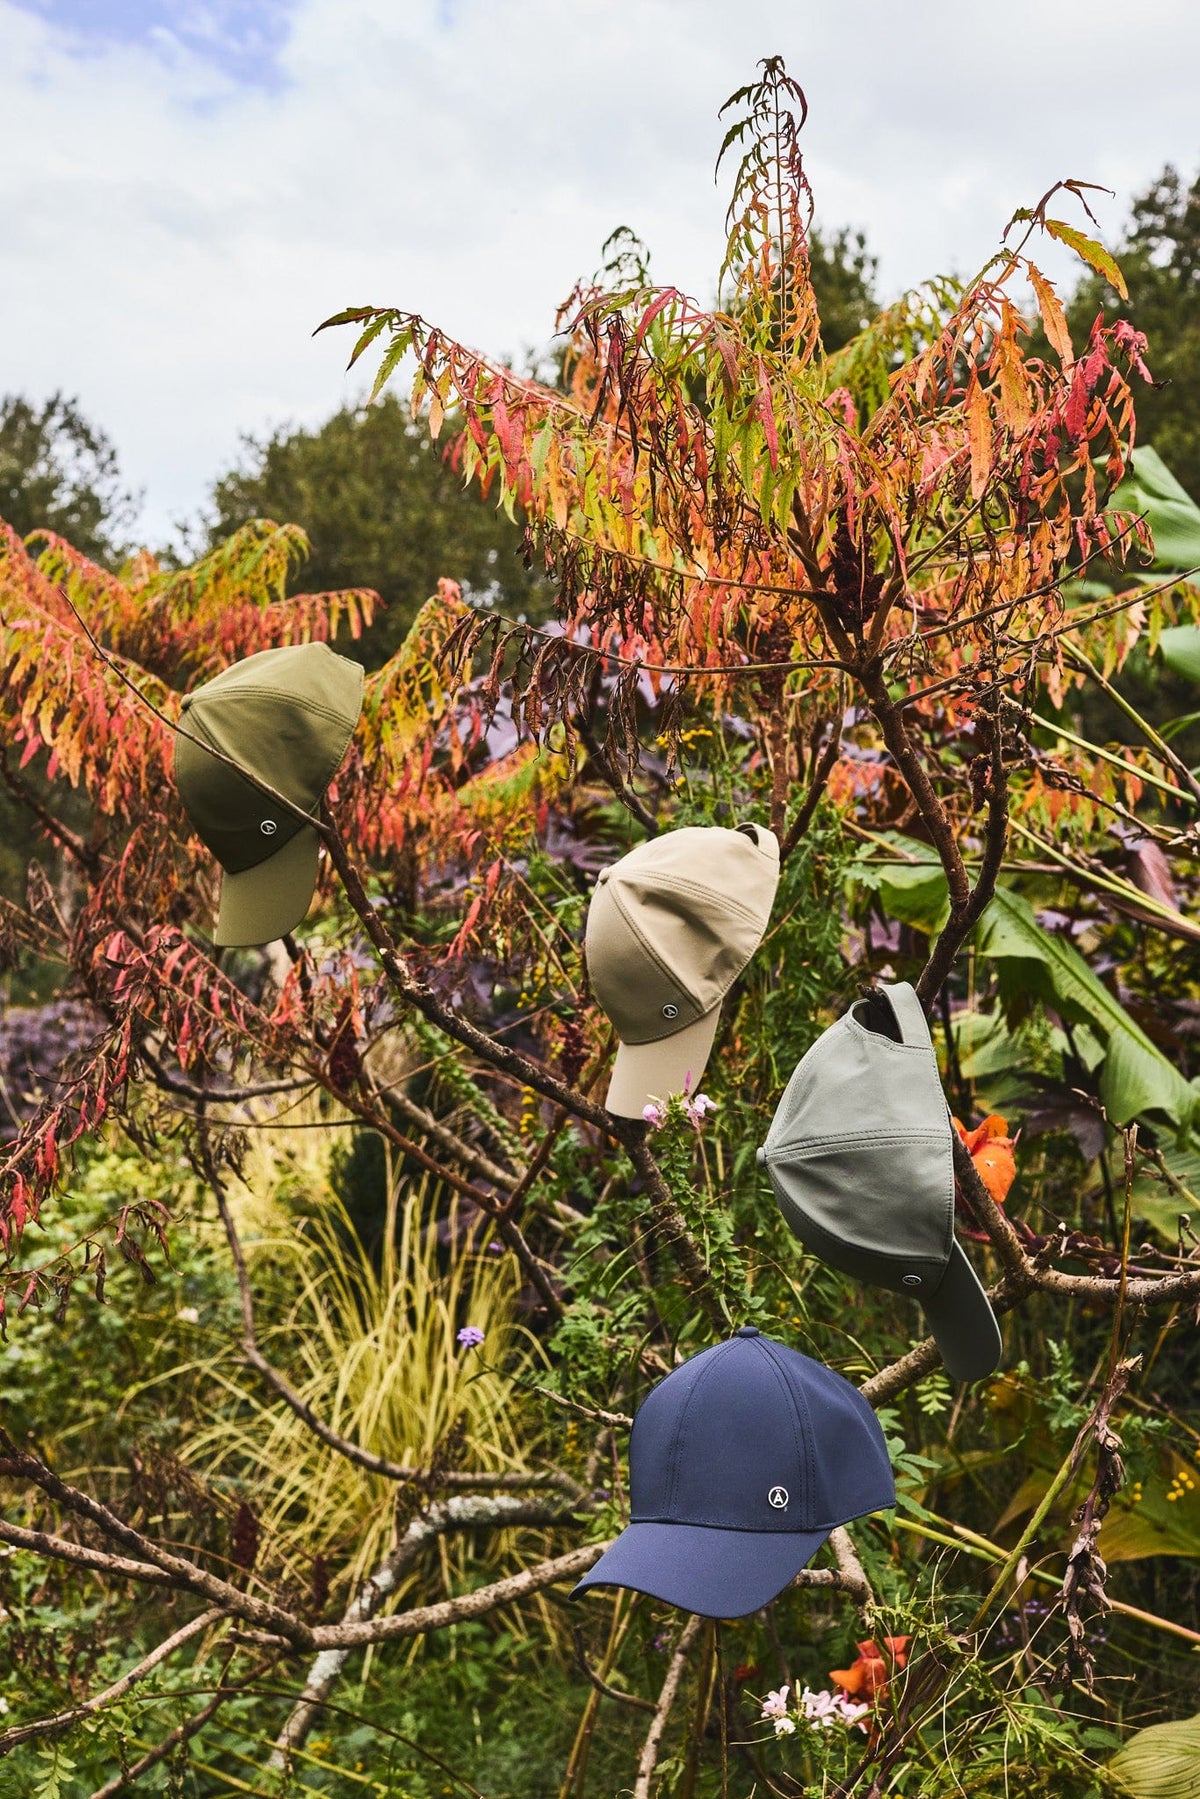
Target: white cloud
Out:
[173,234]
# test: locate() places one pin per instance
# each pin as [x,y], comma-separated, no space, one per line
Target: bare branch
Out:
[353,1452]
[183,1733]
[453,1514]
[475,1604]
[601,1686]
[61,1549]
[648,1759]
[60,1721]
[188,1576]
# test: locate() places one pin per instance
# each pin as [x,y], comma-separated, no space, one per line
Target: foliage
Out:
[1160,263]
[854,591]
[381,509]
[59,472]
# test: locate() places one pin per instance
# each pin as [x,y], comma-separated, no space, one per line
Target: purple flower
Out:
[470,1336]
[655,1115]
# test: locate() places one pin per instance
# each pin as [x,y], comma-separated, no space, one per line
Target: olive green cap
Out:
[669,929]
[861,1156]
[286,718]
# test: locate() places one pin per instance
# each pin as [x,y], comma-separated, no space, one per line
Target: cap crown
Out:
[860,1151]
[751,1435]
[285,716]
[673,923]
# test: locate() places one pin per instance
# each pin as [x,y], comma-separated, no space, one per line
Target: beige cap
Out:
[669,929]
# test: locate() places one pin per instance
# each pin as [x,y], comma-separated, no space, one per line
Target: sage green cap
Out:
[861,1156]
[669,929]
[286,718]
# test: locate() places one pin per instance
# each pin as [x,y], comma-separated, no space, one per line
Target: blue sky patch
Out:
[241,38]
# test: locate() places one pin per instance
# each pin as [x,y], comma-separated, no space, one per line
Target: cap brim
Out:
[269,900]
[715,1573]
[963,1323]
[650,1071]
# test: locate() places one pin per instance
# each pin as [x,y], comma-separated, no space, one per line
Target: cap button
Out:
[760,1156]
[749,1330]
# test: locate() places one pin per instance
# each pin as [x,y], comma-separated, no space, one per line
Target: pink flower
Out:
[825,1709]
[697,1105]
[655,1115]
[775,1704]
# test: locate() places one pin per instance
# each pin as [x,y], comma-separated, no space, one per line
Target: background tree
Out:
[382,508]
[1159,256]
[59,472]
[843,273]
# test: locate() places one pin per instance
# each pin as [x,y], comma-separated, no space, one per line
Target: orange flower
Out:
[991,1150]
[869,1672]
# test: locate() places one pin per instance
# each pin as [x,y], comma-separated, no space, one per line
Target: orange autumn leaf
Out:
[991,1150]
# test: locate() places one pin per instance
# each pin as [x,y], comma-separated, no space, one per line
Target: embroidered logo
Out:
[268,827]
[670,1011]
[778,1497]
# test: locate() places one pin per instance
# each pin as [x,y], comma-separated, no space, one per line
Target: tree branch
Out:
[185,1574]
[55,1726]
[183,1733]
[673,1225]
[453,1514]
[475,1604]
[416,992]
[648,1760]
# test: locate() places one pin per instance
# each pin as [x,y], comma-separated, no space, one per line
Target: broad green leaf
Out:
[1161,1762]
[1159,1204]
[1150,489]
[1136,1077]
[911,887]
[1180,645]
[1155,1524]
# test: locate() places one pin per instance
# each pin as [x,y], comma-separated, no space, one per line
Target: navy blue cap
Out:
[741,1462]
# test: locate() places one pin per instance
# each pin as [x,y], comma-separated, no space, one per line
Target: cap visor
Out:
[650,1071]
[963,1323]
[716,1573]
[269,900]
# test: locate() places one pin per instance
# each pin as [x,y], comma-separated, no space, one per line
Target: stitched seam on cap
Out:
[658,962]
[682,884]
[225,694]
[677,1449]
[802,1441]
[853,1141]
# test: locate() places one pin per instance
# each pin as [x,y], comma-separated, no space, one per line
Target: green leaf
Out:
[1149,489]
[1094,254]
[911,887]
[396,351]
[1162,1762]
[1135,1076]
[1180,645]
[1159,1204]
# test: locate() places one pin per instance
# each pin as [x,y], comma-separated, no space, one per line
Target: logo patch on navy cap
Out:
[778,1497]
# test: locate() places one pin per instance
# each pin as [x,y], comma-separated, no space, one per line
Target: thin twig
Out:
[61,1721]
[648,1760]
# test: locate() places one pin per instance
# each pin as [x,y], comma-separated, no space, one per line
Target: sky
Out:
[188,187]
